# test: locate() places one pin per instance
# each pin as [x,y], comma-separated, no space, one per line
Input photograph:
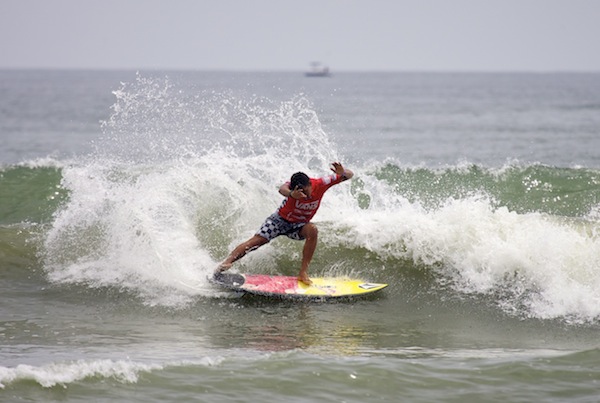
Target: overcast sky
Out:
[272,35]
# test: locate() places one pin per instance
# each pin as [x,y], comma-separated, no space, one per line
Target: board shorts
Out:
[275,226]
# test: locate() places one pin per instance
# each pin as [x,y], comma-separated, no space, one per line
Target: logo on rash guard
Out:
[307,206]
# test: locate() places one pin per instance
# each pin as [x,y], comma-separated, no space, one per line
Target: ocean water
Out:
[476,197]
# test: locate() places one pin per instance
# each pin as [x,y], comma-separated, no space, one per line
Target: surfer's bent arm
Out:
[285,190]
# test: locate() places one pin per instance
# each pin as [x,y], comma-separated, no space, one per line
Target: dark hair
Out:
[299,179]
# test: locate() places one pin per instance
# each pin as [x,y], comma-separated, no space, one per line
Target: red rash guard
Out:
[303,210]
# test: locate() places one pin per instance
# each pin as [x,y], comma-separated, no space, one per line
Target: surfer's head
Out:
[299,179]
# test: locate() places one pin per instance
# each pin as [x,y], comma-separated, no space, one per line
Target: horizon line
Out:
[299,71]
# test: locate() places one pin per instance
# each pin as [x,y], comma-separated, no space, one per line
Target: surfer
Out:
[302,200]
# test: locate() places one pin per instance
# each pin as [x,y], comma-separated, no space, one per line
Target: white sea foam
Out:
[65,373]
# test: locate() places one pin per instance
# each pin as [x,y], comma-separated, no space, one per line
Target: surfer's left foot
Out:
[222,267]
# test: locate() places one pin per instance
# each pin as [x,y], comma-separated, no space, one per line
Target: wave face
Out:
[176,181]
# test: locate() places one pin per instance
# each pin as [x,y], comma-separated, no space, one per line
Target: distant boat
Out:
[317,70]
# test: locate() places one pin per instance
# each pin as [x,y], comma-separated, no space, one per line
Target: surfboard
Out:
[290,287]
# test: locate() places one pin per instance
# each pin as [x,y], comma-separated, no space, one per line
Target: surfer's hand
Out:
[337,168]
[298,193]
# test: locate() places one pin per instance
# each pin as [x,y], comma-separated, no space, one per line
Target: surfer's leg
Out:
[240,251]
[310,233]
[270,229]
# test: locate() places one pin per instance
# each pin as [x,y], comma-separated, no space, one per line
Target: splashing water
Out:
[177,180]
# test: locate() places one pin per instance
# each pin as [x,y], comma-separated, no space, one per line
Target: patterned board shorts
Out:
[274,226]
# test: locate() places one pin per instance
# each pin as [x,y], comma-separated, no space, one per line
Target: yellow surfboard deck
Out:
[291,287]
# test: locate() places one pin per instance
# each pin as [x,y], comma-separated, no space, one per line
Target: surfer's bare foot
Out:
[222,267]
[305,279]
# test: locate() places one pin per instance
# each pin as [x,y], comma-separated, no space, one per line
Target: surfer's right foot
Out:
[305,280]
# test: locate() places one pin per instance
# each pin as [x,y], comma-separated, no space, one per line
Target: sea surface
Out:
[476,197]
